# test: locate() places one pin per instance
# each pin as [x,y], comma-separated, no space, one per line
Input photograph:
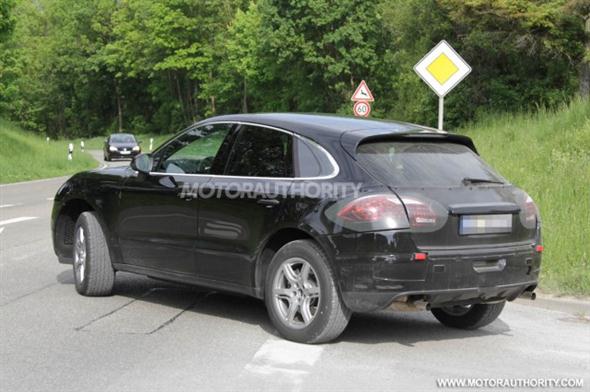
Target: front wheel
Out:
[301,295]
[93,271]
[470,316]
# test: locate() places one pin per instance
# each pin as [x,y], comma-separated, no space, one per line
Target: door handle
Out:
[268,202]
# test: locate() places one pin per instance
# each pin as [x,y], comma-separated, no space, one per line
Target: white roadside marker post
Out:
[442,69]
[151,143]
[70,151]
[47,139]
[82,145]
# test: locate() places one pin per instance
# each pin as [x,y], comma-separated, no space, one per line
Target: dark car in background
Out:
[120,145]
[247,203]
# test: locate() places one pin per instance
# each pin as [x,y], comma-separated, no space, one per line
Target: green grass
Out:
[26,156]
[547,153]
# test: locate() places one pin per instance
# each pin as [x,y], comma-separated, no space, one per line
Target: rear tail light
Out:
[529,213]
[387,211]
[539,248]
[425,216]
[419,256]
[374,212]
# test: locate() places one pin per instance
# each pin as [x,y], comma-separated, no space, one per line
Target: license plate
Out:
[485,224]
[125,152]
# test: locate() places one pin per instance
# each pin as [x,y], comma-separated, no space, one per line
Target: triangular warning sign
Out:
[362,93]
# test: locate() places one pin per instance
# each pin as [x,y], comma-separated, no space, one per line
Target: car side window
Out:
[195,151]
[311,160]
[261,152]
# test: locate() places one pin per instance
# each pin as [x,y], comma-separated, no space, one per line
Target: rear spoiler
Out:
[351,140]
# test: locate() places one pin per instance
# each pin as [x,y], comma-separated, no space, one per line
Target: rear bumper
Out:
[379,270]
[370,301]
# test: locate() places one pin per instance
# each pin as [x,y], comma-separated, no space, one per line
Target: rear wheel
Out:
[301,296]
[470,316]
[93,271]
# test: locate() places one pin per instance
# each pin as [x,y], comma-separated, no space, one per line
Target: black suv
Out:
[319,216]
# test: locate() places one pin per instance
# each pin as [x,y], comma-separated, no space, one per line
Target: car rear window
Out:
[261,152]
[423,164]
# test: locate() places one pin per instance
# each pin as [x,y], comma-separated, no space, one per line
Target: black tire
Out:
[331,316]
[97,278]
[476,316]
[107,158]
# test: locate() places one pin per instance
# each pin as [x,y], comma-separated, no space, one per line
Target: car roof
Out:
[312,125]
[347,130]
[122,134]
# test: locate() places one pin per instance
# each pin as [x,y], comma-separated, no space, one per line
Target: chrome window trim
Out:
[335,167]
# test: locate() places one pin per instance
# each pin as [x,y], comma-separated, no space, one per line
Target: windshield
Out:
[122,139]
[423,164]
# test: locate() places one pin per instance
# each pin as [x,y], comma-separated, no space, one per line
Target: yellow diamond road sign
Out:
[442,68]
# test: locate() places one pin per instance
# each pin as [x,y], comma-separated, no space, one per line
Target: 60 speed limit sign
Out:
[361,109]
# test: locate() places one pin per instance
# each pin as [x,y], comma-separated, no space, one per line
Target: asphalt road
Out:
[154,336]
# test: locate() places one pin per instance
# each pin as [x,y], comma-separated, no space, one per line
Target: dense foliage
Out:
[81,68]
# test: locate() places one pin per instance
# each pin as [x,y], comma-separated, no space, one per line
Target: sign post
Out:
[442,69]
[362,97]
[441,110]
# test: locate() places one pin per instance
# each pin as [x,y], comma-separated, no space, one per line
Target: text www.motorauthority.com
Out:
[509,383]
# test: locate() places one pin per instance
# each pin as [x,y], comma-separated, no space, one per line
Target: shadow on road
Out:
[408,328]
[369,328]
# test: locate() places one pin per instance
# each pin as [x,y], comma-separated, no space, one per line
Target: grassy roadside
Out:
[548,154]
[26,156]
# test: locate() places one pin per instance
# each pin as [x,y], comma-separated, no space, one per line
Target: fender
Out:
[301,231]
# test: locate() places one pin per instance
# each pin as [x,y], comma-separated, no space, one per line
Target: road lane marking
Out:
[287,361]
[12,184]
[9,205]
[1,230]
[17,220]
[50,199]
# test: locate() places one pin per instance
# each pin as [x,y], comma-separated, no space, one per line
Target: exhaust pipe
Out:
[410,306]
[528,295]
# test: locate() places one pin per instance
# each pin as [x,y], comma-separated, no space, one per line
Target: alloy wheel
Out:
[80,254]
[296,293]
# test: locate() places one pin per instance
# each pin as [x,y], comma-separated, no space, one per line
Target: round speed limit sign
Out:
[361,109]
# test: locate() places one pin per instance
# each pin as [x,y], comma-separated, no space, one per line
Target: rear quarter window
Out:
[311,160]
[423,164]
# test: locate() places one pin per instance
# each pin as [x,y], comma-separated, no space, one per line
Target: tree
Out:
[581,10]
[6,18]
[85,68]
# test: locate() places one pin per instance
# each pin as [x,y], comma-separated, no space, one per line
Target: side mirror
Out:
[142,163]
